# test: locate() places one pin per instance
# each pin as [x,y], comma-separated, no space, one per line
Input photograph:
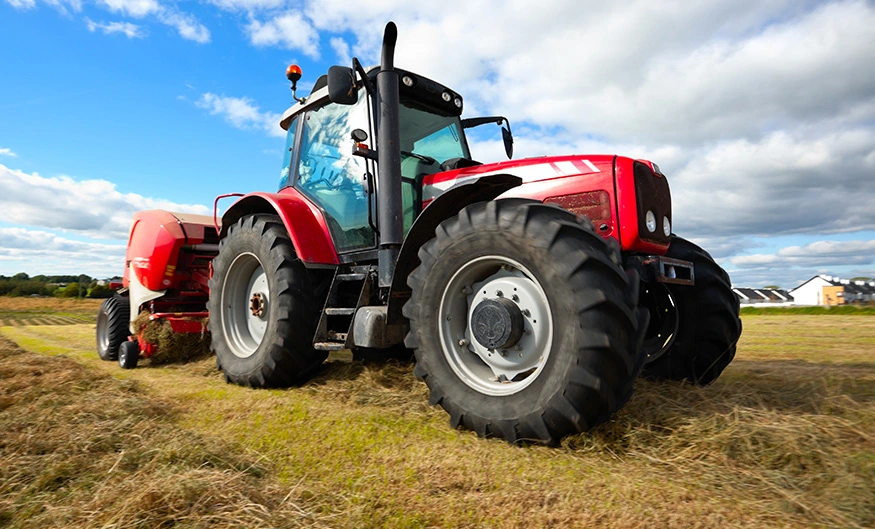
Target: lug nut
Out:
[463,342]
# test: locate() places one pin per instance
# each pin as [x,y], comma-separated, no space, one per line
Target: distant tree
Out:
[772,286]
[71,290]
[28,288]
[861,278]
[100,291]
[20,276]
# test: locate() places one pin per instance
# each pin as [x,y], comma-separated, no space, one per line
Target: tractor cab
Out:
[328,159]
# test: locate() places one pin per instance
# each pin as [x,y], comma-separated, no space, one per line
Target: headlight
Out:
[447,97]
[666,226]
[650,220]
[457,102]
[407,80]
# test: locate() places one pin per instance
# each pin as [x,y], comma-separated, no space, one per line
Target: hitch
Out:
[656,268]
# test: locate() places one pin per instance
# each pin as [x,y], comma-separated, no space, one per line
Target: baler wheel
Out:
[113,319]
[128,355]
[263,307]
[708,326]
[523,322]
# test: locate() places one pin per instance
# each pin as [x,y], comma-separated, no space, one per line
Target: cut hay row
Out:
[44,320]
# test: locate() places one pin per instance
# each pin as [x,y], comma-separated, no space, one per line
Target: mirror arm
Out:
[357,67]
[476,122]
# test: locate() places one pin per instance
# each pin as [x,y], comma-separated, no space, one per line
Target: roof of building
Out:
[856,287]
[763,294]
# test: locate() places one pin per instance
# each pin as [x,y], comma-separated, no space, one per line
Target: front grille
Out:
[595,205]
[652,193]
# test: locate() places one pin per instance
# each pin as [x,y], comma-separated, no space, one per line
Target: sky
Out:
[762,114]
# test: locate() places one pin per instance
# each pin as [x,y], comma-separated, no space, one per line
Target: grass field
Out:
[46,311]
[783,439]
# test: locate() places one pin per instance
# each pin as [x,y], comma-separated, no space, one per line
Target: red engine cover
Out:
[600,187]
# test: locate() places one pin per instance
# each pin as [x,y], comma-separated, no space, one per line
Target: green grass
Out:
[783,439]
[840,310]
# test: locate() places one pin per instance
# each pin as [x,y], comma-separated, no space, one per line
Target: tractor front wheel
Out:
[263,313]
[703,319]
[523,322]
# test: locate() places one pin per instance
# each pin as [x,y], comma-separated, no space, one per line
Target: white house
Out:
[829,290]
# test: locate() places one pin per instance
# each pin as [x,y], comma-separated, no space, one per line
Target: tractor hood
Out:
[531,170]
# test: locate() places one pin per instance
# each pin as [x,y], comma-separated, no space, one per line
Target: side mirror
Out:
[341,86]
[507,136]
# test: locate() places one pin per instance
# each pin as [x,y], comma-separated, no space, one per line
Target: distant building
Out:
[828,290]
[762,296]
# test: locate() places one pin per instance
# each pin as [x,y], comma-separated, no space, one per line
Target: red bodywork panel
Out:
[583,184]
[303,220]
[169,250]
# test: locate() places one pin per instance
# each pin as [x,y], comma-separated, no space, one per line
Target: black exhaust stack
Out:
[389,208]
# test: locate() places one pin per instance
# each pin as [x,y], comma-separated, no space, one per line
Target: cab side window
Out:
[289,154]
[332,177]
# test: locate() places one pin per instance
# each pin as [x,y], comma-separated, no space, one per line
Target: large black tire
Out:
[580,361]
[273,346]
[708,326]
[113,319]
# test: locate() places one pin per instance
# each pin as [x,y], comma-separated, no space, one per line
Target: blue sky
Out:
[761,113]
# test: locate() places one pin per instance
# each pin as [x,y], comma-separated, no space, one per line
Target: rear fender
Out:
[304,223]
[446,205]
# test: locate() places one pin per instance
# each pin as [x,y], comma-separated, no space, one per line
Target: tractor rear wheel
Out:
[263,312]
[704,318]
[523,322]
[113,319]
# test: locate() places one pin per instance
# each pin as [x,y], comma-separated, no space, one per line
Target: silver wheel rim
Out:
[497,372]
[244,327]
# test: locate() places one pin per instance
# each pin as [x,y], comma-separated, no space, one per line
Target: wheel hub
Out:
[257,304]
[497,323]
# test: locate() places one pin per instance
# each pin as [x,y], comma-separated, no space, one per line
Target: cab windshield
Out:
[430,135]
[427,140]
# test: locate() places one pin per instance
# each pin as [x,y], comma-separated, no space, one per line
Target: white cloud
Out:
[247,5]
[241,113]
[22,4]
[290,31]
[94,208]
[817,254]
[341,49]
[654,71]
[60,5]
[187,26]
[132,31]
[21,248]
[797,181]
[134,8]
[5,151]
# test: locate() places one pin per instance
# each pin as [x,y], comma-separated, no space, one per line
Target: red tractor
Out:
[533,292]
